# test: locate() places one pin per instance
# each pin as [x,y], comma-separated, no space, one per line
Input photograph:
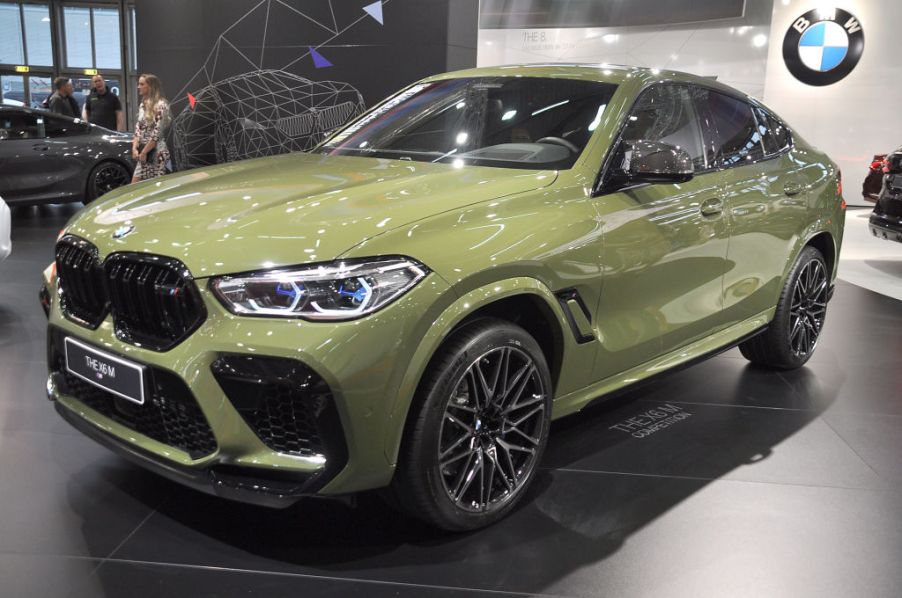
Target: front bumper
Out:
[886,227]
[362,362]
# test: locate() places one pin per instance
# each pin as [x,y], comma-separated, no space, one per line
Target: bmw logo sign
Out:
[123,231]
[823,46]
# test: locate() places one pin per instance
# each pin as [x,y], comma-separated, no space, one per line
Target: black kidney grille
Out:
[81,280]
[153,300]
[169,414]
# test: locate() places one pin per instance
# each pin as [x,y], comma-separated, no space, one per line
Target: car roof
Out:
[602,72]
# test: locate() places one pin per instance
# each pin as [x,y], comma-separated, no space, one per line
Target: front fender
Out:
[469,303]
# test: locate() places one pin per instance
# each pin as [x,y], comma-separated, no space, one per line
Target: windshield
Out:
[512,122]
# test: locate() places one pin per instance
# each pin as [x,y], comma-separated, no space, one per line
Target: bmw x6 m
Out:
[409,305]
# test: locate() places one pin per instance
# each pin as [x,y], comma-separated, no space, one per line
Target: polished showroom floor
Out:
[769,484]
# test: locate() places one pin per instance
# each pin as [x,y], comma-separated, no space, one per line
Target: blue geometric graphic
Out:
[375,11]
[319,61]
[823,46]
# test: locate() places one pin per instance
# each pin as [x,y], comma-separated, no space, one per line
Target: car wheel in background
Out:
[105,177]
[477,428]
[792,335]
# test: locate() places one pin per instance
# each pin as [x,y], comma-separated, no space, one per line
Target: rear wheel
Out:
[105,177]
[792,336]
[478,428]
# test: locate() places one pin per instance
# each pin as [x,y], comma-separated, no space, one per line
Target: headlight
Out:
[337,291]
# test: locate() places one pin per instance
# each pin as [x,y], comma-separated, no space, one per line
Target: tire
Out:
[105,177]
[469,455]
[792,335]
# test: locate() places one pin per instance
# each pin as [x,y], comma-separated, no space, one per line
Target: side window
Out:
[768,139]
[666,113]
[780,132]
[736,135]
[61,127]
[19,125]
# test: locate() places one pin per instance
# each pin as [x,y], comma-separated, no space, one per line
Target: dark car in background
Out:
[873,182]
[49,158]
[886,220]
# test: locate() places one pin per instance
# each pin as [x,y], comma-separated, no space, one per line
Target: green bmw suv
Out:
[409,305]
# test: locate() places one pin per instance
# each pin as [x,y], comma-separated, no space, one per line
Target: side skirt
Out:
[672,362]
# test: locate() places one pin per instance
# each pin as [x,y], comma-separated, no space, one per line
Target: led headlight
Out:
[336,291]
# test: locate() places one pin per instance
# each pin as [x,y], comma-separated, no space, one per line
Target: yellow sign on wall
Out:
[90,72]
[22,69]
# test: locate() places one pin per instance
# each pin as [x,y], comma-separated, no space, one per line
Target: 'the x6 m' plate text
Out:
[113,374]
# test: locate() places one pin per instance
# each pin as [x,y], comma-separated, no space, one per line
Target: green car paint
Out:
[661,283]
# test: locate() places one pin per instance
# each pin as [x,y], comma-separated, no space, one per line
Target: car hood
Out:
[286,210]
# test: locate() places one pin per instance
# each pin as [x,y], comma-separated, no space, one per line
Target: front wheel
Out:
[477,429]
[792,336]
[105,177]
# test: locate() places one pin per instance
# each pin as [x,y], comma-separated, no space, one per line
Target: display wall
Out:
[248,79]
[858,116]
[851,119]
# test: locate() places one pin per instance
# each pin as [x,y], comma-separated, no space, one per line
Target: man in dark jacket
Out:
[102,106]
[62,101]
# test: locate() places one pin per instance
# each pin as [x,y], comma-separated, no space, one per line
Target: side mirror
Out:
[655,162]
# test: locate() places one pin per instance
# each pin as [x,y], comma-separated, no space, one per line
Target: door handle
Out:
[791,189]
[711,207]
[40,147]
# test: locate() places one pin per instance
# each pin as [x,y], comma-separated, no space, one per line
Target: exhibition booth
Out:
[450,297]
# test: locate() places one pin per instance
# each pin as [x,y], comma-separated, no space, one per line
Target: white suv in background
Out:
[5,243]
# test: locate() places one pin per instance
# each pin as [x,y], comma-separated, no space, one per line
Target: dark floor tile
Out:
[22,337]
[708,441]
[145,580]
[65,495]
[877,439]
[40,576]
[580,534]
[25,272]
[24,406]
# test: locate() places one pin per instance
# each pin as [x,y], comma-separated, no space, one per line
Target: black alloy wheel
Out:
[808,308]
[477,429]
[793,334]
[492,429]
[105,177]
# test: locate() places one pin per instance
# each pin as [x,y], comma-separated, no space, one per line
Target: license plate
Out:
[113,374]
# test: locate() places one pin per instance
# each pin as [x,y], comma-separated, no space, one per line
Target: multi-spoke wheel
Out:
[105,177]
[792,336]
[478,427]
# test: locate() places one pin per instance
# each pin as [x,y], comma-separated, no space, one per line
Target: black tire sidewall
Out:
[782,318]
[465,347]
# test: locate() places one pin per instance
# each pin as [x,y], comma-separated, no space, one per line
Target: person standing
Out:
[149,146]
[62,101]
[102,106]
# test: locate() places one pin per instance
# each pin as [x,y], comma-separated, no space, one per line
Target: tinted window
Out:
[666,113]
[780,132]
[770,144]
[61,127]
[519,122]
[736,136]
[18,125]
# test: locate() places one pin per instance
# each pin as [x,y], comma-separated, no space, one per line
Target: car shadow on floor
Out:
[598,485]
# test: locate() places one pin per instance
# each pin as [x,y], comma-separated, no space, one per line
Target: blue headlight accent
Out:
[289,292]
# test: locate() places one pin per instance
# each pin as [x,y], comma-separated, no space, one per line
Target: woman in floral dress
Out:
[149,146]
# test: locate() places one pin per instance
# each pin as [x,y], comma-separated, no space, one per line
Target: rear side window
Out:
[777,131]
[736,137]
[61,127]
[19,125]
[667,114]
